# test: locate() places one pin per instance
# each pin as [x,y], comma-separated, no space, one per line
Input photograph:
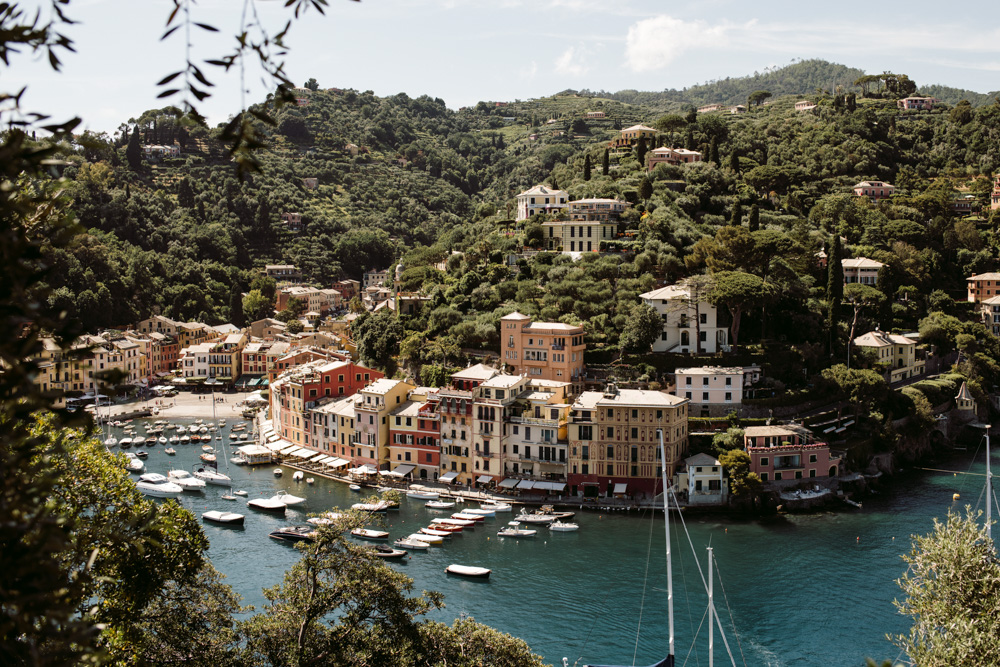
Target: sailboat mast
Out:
[711,612]
[989,489]
[666,526]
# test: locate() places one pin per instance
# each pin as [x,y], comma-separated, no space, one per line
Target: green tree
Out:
[378,336]
[864,388]
[753,223]
[952,589]
[640,151]
[713,151]
[256,306]
[534,235]
[642,329]
[586,167]
[133,152]
[312,84]
[743,484]
[756,98]
[295,326]
[605,163]
[293,310]
[834,289]
[734,162]
[645,188]
[731,438]
[736,215]
[739,292]
[861,298]
[236,315]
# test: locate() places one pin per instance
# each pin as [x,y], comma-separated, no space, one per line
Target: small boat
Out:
[310,480]
[208,458]
[380,506]
[288,498]
[435,532]
[277,472]
[294,534]
[496,507]
[369,534]
[162,440]
[410,543]
[389,552]
[514,529]
[354,487]
[298,475]
[267,505]
[464,523]
[468,571]
[324,519]
[433,540]
[564,526]
[479,518]
[207,448]
[536,518]
[185,439]
[446,528]
[134,463]
[125,443]
[422,494]
[439,505]
[238,460]
[138,441]
[173,440]
[479,512]
[110,441]
[170,450]
[223,518]
[142,454]
[228,496]
[241,492]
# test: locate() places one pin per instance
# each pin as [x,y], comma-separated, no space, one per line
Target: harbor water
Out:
[791,590]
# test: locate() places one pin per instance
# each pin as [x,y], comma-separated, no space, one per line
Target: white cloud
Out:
[656,42]
[571,62]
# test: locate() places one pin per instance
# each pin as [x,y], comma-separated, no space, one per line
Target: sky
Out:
[464,51]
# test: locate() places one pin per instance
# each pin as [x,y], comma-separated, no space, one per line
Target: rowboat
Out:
[433,540]
[435,533]
[439,505]
[369,534]
[410,543]
[223,518]
[389,552]
[469,571]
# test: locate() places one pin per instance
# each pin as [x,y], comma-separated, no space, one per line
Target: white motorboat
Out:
[173,440]
[223,518]
[134,463]
[162,440]
[212,476]
[354,487]
[433,540]
[238,460]
[138,441]
[277,472]
[464,523]
[185,439]
[469,571]
[564,526]
[298,475]
[418,492]
[324,519]
[207,448]
[439,505]
[186,480]
[157,486]
[267,505]
[310,480]
[389,552]
[369,534]
[110,441]
[496,507]
[410,543]
[288,498]
[170,451]
[241,492]
[294,534]
[514,529]
[479,512]
[479,518]
[536,518]
[125,442]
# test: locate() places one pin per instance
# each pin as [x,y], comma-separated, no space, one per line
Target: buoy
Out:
[955,496]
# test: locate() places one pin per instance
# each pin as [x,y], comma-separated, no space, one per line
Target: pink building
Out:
[917,103]
[874,190]
[670,156]
[995,195]
[781,453]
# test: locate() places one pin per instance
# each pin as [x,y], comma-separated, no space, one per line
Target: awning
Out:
[484,479]
[253,450]
[558,487]
[526,484]
[318,457]
[448,477]
[364,470]
[620,488]
[337,463]
[508,483]
[404,469]
[288,450]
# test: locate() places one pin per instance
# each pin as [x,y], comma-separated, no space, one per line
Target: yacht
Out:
[212,476]
[156,485]
[186,480]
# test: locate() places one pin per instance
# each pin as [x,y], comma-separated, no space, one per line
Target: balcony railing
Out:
[558,347]
[534,420]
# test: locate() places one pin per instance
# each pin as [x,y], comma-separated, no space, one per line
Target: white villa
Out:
[690,325]
[540,199]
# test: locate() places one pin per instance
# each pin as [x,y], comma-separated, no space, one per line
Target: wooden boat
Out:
[207,448]
[409,543]
[469,571]
[446,528]
[208,458]
[389,552]
[310,480]
[277,472]
[369,534]
[142,454]
[223,518]
[432,540]
[170,451]
[464,523]
[436,533]
[564,526]
[478,518]
[439,505]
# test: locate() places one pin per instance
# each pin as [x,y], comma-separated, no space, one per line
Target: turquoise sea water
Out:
[801,589]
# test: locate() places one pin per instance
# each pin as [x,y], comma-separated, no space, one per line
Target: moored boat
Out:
[564,526]
[170,451]
[436,533]
[469,571]
[496,507]
[513,529]
[277,472]
[186,480]
[298,475]
[410,543]
[433,540]
[439,505]
[223,518]
[208,458]
[157,486]
[267,505]
[369,534]
[478,518]
[389,552]
[213,477]
[294,534]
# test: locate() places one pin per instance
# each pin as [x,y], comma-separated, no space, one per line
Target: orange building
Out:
[542,350]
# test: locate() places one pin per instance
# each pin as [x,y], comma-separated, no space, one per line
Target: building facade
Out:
[711,390]
[542,350]
[861,270]
[783,453]
[691,325]
[541,199]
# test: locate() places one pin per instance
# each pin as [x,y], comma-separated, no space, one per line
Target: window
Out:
[687,381]
[611,470]
[729,382]
[812,458]
[704,395]
[635,414]
[635,433]
[764,461]
[704,382]
[586,432]
[729,396]
[611,452]
[611,433]
[585,453]
[777,477]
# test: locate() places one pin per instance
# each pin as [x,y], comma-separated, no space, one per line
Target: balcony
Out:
[558,347]
[427,414]
[534,420]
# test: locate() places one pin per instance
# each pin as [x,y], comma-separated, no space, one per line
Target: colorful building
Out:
[542,350]
[783,453]
[540,199]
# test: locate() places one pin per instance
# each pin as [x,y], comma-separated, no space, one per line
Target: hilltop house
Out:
[671,156]
[691,325]
[804,105]
[590,222]
[861,270]
[712,390]
[630,136]
[917,103]
[896,354]
[874,190]
[540,199]
[983,286]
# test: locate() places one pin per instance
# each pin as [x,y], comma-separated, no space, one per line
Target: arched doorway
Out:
[423,473]
[833,471]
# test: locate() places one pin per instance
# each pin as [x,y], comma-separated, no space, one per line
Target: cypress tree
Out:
[754,222]
[236,315]
[640,151]
[645,188]
[586,168]
[606,163]
[555,185]
[737,216]
[713,151]
[834,288]
[133,152]
[734,162]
